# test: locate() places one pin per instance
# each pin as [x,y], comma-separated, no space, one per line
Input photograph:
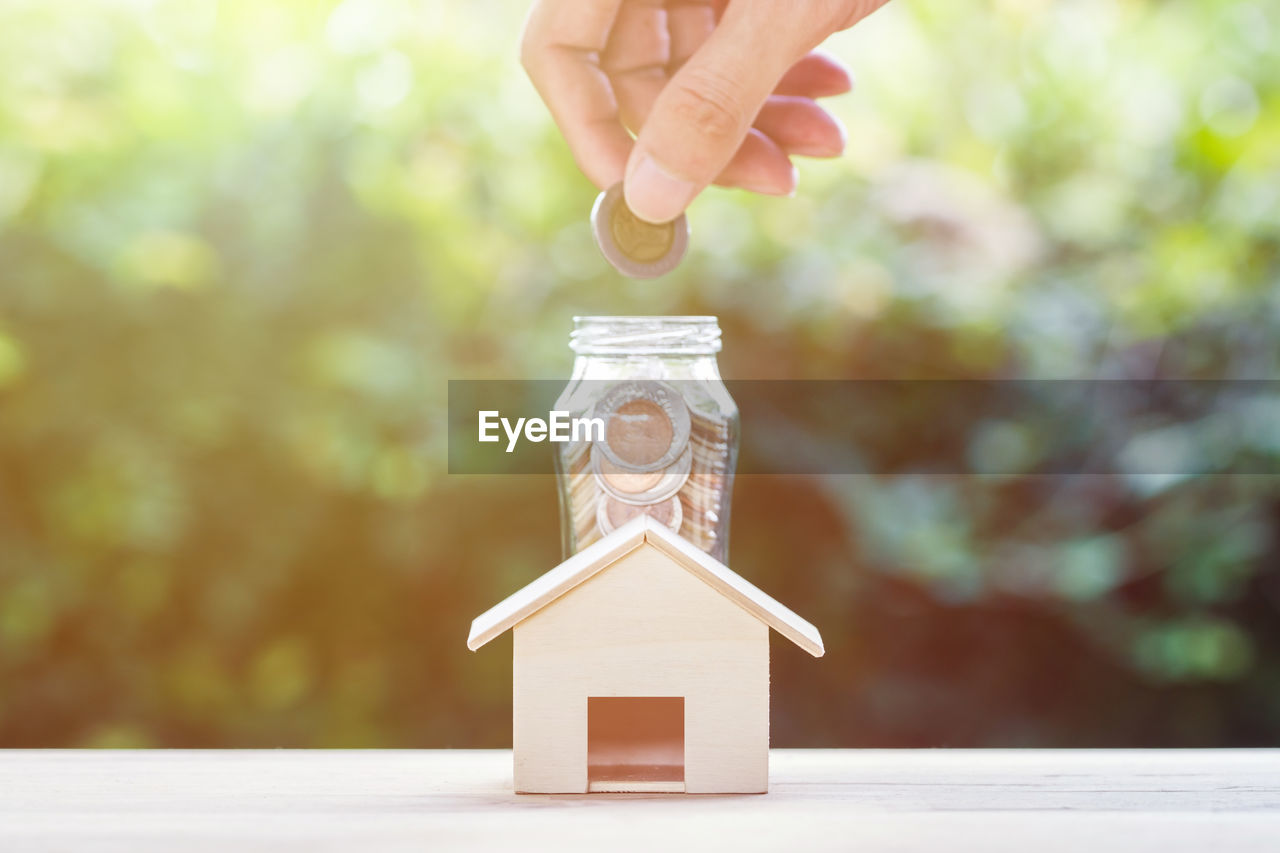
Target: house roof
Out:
[599,556]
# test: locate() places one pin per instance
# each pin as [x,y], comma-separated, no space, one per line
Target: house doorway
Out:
[635,743]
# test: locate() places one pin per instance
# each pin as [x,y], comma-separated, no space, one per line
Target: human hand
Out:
[714,91]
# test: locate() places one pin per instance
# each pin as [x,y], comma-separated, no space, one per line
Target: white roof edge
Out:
[548,587]
[603,553]
[741,591]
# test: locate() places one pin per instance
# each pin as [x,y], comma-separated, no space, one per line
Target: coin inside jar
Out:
[670,479]
[635,247]
[647,425]
[612,514]
[639,432]
[626,481]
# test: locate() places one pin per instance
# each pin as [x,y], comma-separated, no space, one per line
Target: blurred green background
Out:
[243,245]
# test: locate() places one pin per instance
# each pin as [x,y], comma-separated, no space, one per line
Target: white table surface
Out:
[1031,801]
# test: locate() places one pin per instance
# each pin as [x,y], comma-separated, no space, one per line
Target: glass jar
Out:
[669,441]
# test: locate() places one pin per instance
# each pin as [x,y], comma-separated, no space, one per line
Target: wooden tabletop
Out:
[1030,801]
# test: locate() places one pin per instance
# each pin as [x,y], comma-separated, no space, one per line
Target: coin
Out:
[670,479]
[636,248]
[640,432]
[646,425]
[623,481]
[612,514]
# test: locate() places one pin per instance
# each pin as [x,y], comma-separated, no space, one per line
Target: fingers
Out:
[796,126]
[800,126]
[637,92]
[698,93]
[690,22]
[560,48]
[759,165]
[705,113]
[639,38]
[636,58]
[816,75]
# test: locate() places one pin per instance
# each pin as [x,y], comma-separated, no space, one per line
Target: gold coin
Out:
[636,248]
[612,514]
[641,241]
[625,481]
[646,425]
[640,432]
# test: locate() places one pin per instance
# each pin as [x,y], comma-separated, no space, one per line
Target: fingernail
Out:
[654,194]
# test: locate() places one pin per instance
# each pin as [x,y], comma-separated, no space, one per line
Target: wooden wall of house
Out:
[643,627]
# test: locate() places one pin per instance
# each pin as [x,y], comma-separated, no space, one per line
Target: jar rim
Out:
[694,334]
[675,319]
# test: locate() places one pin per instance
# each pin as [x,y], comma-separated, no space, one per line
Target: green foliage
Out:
[244,245]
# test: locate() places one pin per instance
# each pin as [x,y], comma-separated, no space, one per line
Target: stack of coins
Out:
[660,457]
[706,492]
[582,495]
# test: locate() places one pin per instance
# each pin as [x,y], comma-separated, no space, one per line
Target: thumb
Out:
[703,114]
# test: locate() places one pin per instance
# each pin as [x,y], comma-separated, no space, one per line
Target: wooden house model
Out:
[641,664]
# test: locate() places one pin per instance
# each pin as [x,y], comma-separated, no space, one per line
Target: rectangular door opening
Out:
[635,743]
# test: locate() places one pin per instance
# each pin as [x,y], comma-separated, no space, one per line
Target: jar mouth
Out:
[672,335]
